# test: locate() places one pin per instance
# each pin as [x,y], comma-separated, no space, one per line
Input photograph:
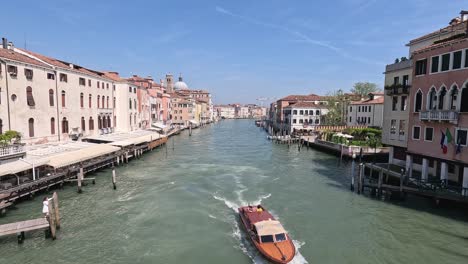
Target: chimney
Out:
[4,43]
[11,46]
[464,18]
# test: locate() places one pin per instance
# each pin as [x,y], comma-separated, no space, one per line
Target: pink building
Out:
[439,110]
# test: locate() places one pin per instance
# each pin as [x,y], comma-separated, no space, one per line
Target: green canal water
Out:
[179,206]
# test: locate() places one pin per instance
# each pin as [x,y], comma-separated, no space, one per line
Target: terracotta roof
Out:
[15,56]
[305,105]
[113,76]
[439,45]
[310,97]
[447,29]
[379,100]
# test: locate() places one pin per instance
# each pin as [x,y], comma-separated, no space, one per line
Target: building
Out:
[225,111]
[438,107]
[304,116]
[367,112]
[47,99]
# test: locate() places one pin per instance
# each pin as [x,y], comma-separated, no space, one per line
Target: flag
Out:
[443,142]
[448,135]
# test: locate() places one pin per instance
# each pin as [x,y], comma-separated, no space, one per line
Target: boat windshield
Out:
[267,238]
[280,237]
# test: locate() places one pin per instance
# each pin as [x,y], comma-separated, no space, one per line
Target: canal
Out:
[178,205]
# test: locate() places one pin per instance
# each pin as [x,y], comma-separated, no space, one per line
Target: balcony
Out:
[439,115]
[12,151]
[104,110]
[397,89]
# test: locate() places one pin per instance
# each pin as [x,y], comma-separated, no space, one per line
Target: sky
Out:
[239,50]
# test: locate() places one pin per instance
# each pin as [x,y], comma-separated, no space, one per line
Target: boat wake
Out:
[244,243]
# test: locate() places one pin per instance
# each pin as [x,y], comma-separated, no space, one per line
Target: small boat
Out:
[267,234]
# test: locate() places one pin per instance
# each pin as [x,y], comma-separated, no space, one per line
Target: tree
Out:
[364,88]
[335,104]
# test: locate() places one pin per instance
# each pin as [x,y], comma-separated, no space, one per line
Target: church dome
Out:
[180,85]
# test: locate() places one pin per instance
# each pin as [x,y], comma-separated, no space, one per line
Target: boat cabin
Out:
[269,231]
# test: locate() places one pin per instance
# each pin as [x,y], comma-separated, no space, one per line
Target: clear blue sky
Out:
[239,50]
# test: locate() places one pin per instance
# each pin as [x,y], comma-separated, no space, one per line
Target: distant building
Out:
[366,112]
[303,115]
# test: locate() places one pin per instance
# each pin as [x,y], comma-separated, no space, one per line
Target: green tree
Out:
[335,103]
[364,88]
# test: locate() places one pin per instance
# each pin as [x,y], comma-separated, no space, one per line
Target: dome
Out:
[180,85]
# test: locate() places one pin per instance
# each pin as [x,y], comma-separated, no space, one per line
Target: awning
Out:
[20,165]
[136,140]
[72,157]
[158,125]
[269,227]
[193,122]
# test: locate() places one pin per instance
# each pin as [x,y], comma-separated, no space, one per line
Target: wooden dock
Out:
[49,224]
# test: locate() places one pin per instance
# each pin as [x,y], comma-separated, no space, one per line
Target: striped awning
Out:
[20,165]
[73,157]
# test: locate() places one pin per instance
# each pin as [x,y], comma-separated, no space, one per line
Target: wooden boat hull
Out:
[276,252]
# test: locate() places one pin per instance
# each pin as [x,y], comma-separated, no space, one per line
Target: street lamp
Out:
[33,168]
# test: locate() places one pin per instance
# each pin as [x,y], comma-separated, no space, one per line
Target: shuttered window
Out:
[63,98]
[81,100]
[52,126]
[51,97]
[64,125]
[31,127]
[90,99]
[91,124]
[29,96]
[83,124]
[28,73]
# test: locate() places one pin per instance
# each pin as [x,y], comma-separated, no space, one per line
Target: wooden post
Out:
[56,209]
[79,178]
[402,175]
[379,185]
[353,168]
[361,178]
[52,223]
[126,157]
[114,178]
[118,160]
[135,153]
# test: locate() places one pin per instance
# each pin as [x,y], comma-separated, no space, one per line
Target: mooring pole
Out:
[114,178]
[353,168]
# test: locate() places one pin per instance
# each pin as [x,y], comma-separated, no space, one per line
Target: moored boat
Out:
[267,234]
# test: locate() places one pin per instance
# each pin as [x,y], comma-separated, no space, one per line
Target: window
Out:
[402,128]
[1,126]
[317,112]
[89,83]
[429,134]
[403,103]
[130,103]
[98,101]
[82,81]
[368,120]
[29,96]
[464,100]
[294,121]
[129,89]
[83,124]
[107,86]
[405,80]
[99,122]
[12,70]
[64,125]
[63,77]
[432,100]
[457,60]
[134,89]
[350,119]
[113,104]
[63,98]
[350,109]
[267,239]
[301,112]
[50,76]
[416,132]
[103,99]
[442,94]
[52,126]
[98,85]
[81,100]
[317,121]
[396,80]
[462,137]
[453,98]
[107,102]
[466,58]
[359,109]
[31,127]
[306,112]
[418,102]
[394,103]
[91,124]
[280,237]
[393,126]
[135,104]
[421,67]
[28,73]
[435,64]
[445,62]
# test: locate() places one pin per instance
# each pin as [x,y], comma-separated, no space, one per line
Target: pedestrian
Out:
[45,207]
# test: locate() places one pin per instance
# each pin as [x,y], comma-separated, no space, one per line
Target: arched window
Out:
[134,119]
[51,97]
[109,124]
[83,124]
[64,125]
[90,99]
[98,101]
[52,126]
[130,118]
[115,121]
[107,102]
[432,99]
[134,104]
[464,100]
[317,112]
[103,99]
[113,105]
[63,98]
[99,122]
[81,100]
[29,96]
[317,121]
[91,124]
[130,103]
[453,99]
[1,126]
[442,97]
[31,127]
[418,101]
